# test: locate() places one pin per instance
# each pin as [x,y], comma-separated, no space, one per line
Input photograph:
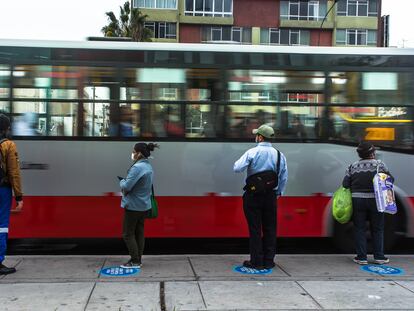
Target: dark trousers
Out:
[260,212]
[363,210]
[133,234]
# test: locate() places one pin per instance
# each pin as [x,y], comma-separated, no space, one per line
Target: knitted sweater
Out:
[359,175]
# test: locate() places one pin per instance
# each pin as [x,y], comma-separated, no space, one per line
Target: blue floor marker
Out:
[119,272]
[250,271]
[382,270]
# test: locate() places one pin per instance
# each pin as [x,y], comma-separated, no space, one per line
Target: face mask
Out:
[257,139]
[132,156]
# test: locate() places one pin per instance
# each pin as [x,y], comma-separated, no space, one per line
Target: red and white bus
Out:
[78,107]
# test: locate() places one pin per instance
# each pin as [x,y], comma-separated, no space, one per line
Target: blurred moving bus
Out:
[78,107]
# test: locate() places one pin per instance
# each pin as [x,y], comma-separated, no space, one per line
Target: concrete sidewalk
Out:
[200,282]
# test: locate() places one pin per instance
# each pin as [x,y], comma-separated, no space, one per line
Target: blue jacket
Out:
[136,187]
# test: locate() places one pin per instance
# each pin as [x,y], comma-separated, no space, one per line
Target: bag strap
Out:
[152,190]
[278,163]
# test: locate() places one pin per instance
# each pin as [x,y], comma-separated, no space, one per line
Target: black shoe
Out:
[269,265]
[248,264]
[6,270]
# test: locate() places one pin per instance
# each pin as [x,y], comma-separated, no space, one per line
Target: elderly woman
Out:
[136,200]
[358,178]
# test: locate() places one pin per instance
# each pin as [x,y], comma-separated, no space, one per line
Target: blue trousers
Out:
[5,206]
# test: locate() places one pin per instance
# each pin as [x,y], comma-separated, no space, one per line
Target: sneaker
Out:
[248,264]
[381,261]
[360,261]
[6,270]
[269,265]
[130,264]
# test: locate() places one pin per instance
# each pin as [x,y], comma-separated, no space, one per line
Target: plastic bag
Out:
[342,205]
[384,193]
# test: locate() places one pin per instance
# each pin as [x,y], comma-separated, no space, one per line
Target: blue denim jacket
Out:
[136,187]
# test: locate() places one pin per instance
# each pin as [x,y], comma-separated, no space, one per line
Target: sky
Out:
[78,19]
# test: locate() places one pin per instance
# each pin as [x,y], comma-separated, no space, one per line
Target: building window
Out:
[213,8]
[155,4]
[303,10]
[356,37]
[162,30]
[227,33]
[284,36]
[357,8]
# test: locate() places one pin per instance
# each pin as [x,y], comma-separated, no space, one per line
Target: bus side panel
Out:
[209,216]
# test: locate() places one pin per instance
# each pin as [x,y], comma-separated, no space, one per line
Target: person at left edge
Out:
[10,182]
[136,200]
[260,208]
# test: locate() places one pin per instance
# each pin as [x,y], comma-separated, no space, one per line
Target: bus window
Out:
[4,107]
[154,83]
[62,119]
[242,119]
[29,119]
[380,88]
[129,120]
[298,122]
[4,82]
[203,120]
[48,119]
[162,120]
[279,86]
[385,126]
[39,81]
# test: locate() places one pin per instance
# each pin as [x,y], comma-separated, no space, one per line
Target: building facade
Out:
[268,22]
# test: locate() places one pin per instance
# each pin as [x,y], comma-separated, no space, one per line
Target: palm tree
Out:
[130,24]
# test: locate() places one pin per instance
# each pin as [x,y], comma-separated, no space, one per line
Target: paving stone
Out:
[254,295]
[44,297]
[183,296]
[359,294]
[125,296]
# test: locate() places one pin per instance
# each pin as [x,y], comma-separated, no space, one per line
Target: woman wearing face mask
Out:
[136,200]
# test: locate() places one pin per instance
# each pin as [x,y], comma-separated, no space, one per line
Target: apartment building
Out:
[268,22]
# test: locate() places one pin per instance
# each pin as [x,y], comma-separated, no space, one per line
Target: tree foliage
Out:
[129,24]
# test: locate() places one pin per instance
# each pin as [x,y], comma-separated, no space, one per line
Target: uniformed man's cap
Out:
[265,131]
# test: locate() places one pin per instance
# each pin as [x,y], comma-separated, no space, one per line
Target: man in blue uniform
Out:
[260,207]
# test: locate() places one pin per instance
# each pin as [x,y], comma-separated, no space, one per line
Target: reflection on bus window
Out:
[172,120]
[388,126]
[39,81]
[280,86]
[381,88]
[4,81]
[4,107]
[28,124]
[63,120]
[203,120]
[241,119]
[129,120]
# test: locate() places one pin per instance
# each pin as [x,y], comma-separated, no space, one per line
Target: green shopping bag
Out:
[153,212]
[342,205]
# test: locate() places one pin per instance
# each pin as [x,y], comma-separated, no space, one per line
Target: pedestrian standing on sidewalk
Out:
[358,178]
[260,200]
[136,200]
[10,182]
